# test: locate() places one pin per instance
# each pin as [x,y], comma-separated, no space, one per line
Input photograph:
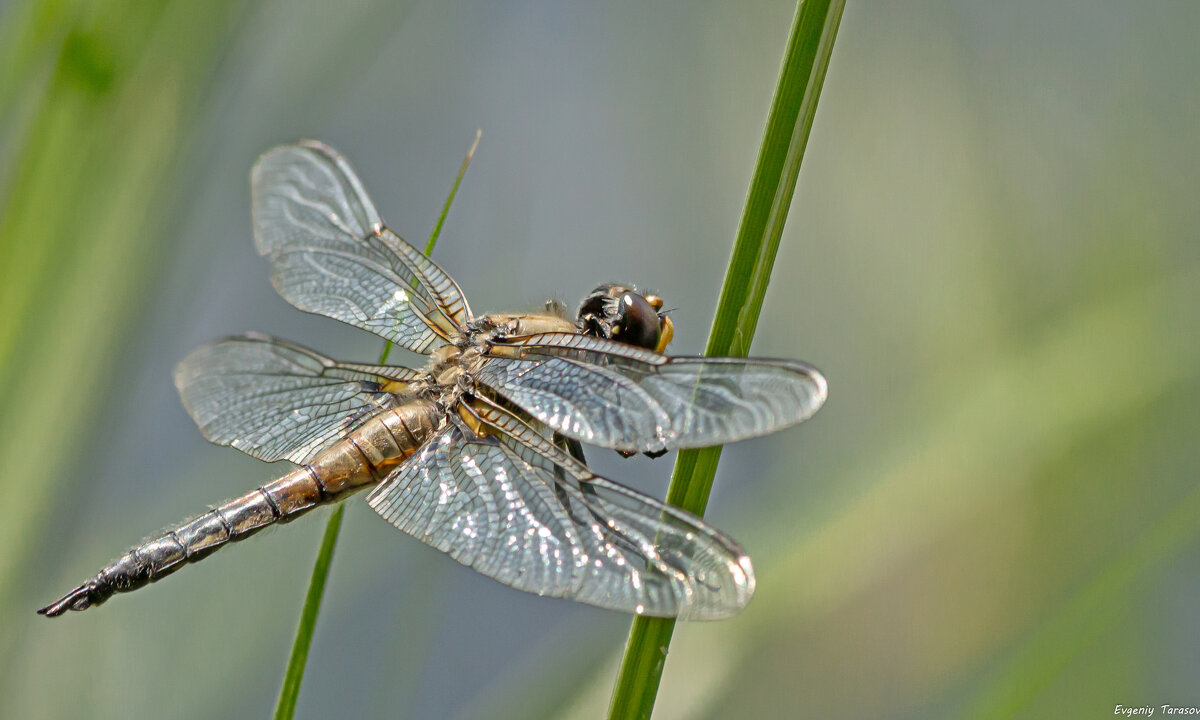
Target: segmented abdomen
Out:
[363,458]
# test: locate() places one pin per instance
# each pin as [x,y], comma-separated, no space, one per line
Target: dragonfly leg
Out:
[575,448]
[572,446]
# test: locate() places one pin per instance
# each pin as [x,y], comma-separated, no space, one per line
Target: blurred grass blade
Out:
[294,675]
[802,74]
[97,105]
[1068,632]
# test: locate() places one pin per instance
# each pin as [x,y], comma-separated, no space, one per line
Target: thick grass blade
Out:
[294,675]
[801,76]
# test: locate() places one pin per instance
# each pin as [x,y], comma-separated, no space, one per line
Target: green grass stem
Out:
[801,76]
[290,691]
[294,675]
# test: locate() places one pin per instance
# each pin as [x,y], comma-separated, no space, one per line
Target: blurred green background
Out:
[992,254]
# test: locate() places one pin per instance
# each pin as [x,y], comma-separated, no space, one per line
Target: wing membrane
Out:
[332,255]
[518,509]
[622,397]
[278,401]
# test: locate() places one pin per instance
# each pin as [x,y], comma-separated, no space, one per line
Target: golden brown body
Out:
[361,459]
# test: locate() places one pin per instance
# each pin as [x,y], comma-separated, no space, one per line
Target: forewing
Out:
[279,401]
[331,254]
[621,397]
[518,509]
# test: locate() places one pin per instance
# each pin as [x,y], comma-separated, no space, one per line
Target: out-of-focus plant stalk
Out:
[97,104]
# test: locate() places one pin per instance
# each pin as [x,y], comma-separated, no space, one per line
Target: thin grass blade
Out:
[294,675]
[288,695]
[437,227]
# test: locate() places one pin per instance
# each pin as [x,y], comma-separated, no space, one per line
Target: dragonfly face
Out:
[620,313]
[475,453]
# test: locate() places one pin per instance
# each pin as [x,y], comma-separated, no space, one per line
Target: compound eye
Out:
[639,324]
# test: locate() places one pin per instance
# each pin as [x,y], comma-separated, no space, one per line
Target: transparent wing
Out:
[279,401]
[518,509]
[331,254]
[623,397]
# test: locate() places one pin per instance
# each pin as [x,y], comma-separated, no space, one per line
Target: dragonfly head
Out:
[621,313]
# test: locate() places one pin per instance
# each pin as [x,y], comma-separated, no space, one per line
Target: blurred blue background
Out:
[992,253]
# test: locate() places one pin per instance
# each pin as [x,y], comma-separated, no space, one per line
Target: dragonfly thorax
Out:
[452,368]
[516,325]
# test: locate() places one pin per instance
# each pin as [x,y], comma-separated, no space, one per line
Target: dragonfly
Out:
[479,452]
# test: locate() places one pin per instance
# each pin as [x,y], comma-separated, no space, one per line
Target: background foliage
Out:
[992,254]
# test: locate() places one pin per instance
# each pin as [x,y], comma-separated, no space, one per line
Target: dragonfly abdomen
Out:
[363,458]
